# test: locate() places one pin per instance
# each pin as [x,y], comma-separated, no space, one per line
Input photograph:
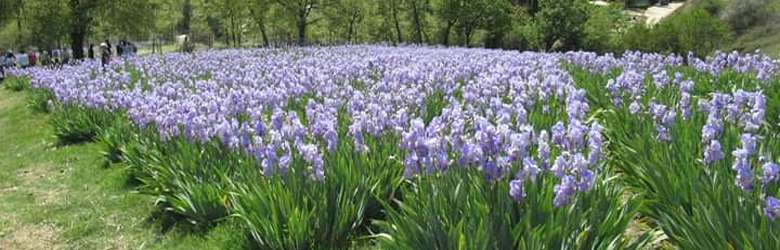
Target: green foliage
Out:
[46,23]
[189,179]
[77,124]
[696,206]
[743,14]
[640,38]
[524,34]
[127,19]
[40,100]
[696,31]
[497,23]
[460,209]
[562,22]
[194,183]
[16,84]
[604,29]
[528,25]
[294,211]
[90,207]
[115,138]
[434,104]
[713,7]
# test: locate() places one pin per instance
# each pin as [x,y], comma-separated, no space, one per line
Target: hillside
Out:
[763,32]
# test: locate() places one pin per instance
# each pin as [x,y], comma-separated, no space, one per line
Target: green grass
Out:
[63,197]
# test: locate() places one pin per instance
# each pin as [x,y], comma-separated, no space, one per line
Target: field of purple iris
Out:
[440,148]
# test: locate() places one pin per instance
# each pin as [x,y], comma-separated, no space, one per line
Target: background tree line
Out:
[546,25]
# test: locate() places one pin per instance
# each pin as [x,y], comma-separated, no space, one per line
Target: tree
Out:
[417,10]
[128,19]
[233,13]
[347,14]
[13,9]
[301,9]
[184,25]
[258,10]
[497,21]
[562,22]
[395,6]
[80,21]
[47,22]
[449,12]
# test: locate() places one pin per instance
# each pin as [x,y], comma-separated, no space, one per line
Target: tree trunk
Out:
[351,27]
[394,10]
[445,37]
[234,28]
[302,27]
[19,13]
[79,27]
[418,36]
[186,19]
[264,34]
[261,25]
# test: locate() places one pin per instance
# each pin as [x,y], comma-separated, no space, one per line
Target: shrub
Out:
[603,29]
[713,7]
[562,23]
[639,38]
[743,14]
[696,32]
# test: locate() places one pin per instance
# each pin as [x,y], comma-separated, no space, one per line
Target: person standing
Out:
[8,61]
[10,58]
[105,55]
[22,60]
[3,65]
[108,45]
[120,50]
[56,56]
[33,55]
[91,52]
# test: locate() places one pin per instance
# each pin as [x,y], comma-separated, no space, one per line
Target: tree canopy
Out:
[510,24]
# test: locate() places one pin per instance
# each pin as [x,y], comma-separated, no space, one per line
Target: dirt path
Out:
[652,15]
[655,14]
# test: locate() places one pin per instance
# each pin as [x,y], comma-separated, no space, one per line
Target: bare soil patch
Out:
[43,236]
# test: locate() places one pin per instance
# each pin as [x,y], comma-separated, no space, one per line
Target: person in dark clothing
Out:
[33,57]
[91,52]
[120,49]
[7,61]
[133,49]
[105,55]
[108,44]
[3,64]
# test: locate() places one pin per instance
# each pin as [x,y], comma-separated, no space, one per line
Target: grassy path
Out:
[64,198]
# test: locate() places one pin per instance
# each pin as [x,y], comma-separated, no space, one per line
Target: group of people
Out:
[124,49]
[57,57]
[24,59]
